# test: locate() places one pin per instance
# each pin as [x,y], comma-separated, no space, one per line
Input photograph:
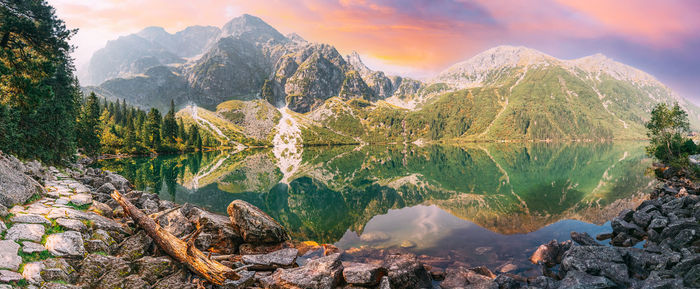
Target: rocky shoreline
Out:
[63,230]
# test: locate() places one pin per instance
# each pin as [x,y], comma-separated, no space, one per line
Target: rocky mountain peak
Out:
[599,63]
[153,32]
[251,28]
[356,62]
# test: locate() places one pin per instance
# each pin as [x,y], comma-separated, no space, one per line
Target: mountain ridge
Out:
[503,93]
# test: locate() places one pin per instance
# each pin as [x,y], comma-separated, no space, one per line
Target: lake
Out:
[479,204]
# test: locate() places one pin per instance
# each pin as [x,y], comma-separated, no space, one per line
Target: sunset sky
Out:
[421,37]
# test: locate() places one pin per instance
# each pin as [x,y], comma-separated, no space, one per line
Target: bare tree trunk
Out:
[184,252]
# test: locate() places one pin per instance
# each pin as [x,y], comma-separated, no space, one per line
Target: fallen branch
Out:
[183,252]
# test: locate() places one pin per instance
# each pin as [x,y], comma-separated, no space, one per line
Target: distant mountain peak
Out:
[251,28]
[356,62]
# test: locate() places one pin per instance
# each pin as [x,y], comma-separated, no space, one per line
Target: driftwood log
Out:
[183,252]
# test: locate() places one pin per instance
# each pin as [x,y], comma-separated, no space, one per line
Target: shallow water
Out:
[481,204]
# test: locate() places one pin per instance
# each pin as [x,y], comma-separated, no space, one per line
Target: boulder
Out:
[365,275]
[406,272]
[16,187]
[58,269]
[218,234]
[321,273]
[603,261]
[69,243]
[279,259]
[106,189]
[8,255]
[81,199]
[254,225]
[578,279]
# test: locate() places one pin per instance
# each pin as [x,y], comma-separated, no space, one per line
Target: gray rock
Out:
[321,273]
[247,278]
[99,222]
[135,246]
[658,223]
[3,228]
[94,246]
[581,280]
[58,269]
[175,222]
[406,272]
[544,282]
[604,261]
[95,267]
[15,186]
[106,189]
[72,224]
[31,247]
[175,281]
[152,269]
[30,219]
[279,259]
[32,272]
[9,276]
[119,182]
[31,232]
[506,282]
[8,255]
[69,243]
[467,278]
[551,253]
[217,231]
[3,211]
[363,274]
[254,225]
[642,218]
[385,284]
[81,199]
[584,239]
[620,225]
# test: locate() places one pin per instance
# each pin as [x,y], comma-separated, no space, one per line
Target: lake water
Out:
[479,204]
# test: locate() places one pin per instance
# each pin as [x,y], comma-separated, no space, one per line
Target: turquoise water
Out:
[481,204]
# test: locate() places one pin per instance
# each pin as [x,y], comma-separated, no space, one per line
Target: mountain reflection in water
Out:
[478,204]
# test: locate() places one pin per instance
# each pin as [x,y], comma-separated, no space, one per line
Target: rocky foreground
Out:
[63,230]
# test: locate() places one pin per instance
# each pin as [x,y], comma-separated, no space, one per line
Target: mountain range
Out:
[311,94]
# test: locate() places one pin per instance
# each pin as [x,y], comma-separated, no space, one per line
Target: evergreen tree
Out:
[89,126]
[169,129]
[39,94]
[152,127]
[181,134]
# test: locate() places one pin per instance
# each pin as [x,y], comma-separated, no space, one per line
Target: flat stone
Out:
[30,219]
[81,199]
[279,259]
[31,232]
[68,243]
[324,272]
[31,247]
[62,201]
[100,222]
[38,209]
[9,276]
[8,255]
[363,274]
[71,224]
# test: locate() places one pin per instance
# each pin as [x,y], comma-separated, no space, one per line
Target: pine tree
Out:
[152,127]
[181,134]
[38,90]
[88,136]
[169,129]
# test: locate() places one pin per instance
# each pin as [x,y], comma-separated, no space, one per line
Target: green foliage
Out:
[667,132]
[39,95]
[169,127]
[88,132]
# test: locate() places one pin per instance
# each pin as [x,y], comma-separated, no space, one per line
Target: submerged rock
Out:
[254,225]
[406,272]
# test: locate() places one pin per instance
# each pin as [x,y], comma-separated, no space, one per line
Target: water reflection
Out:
[470,203]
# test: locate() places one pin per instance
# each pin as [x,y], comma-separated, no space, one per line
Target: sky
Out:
[419,38]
